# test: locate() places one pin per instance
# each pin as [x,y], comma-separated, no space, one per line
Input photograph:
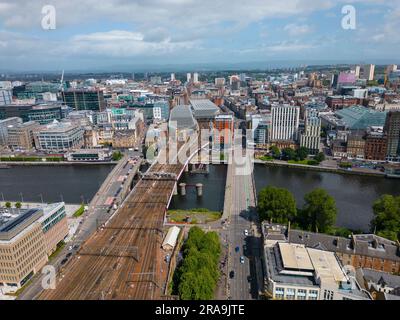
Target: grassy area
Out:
[79,212]
[60,246]
[198,214]
[305,162]
[266,158]
[345,165]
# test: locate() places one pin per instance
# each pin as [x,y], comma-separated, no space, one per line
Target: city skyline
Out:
[133,34]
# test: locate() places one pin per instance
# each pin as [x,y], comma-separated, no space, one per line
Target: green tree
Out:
[320,157]
[8,205]
[275,152]
[196,278]
[276,204]
[319,211]
[386,221]
[301,153]
[18,205]
[288,154]
[117,155]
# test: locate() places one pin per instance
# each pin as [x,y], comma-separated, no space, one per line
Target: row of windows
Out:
[293,294]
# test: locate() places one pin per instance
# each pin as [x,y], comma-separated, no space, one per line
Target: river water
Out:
[73,184]
[354,194]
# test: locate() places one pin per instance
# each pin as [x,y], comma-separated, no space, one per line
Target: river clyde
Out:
[354,194]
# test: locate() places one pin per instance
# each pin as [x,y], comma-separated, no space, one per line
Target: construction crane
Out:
[62,82]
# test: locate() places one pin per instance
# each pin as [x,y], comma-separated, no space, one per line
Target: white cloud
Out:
[297,30]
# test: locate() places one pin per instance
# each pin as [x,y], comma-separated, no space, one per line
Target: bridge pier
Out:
[199,188]
[182,187]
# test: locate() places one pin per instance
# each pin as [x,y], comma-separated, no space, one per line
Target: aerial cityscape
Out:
[248,152]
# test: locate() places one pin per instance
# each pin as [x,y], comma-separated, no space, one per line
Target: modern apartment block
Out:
[85,99]
[285,123]
[21,136]
[60,137]
[311,137]
[27,238]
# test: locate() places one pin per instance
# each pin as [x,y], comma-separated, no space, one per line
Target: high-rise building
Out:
[392,131]
[368,72]
[285,122]
[173,77]
[85,99]
[188,77]
[195,77]
[391,68]
[311,137]
[5,97]
[357,71]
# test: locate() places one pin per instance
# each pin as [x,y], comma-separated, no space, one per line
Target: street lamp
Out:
[41,197]
[62,198]
[22,197]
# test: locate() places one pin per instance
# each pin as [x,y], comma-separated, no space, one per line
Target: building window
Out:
[279,293]
[301,294]
[313,295]
[290,294]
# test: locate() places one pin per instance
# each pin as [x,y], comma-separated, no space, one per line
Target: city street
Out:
[246,283]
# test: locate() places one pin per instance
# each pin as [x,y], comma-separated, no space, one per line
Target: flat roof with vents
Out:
[295,257]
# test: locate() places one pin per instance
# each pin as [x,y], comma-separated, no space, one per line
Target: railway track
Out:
[122,259]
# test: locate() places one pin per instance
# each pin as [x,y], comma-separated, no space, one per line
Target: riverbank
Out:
[321,168]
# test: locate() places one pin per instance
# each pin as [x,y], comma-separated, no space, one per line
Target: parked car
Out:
[246,233]
[237,249]
[232,274]
[242,260]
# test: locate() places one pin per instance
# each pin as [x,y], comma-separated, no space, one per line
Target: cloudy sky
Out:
[102,34]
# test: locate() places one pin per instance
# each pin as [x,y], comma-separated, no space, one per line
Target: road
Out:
[243,216]
[97,211]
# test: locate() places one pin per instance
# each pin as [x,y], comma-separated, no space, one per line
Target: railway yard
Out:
[123,259]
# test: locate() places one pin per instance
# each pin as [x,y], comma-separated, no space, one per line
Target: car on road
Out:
[68,255]
[237,249]
[242,260]
[232,274]
[246,233]
[70,248]
[64,261]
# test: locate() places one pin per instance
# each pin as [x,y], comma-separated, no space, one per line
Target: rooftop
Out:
[183,116]
[203,108]
[359,117]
